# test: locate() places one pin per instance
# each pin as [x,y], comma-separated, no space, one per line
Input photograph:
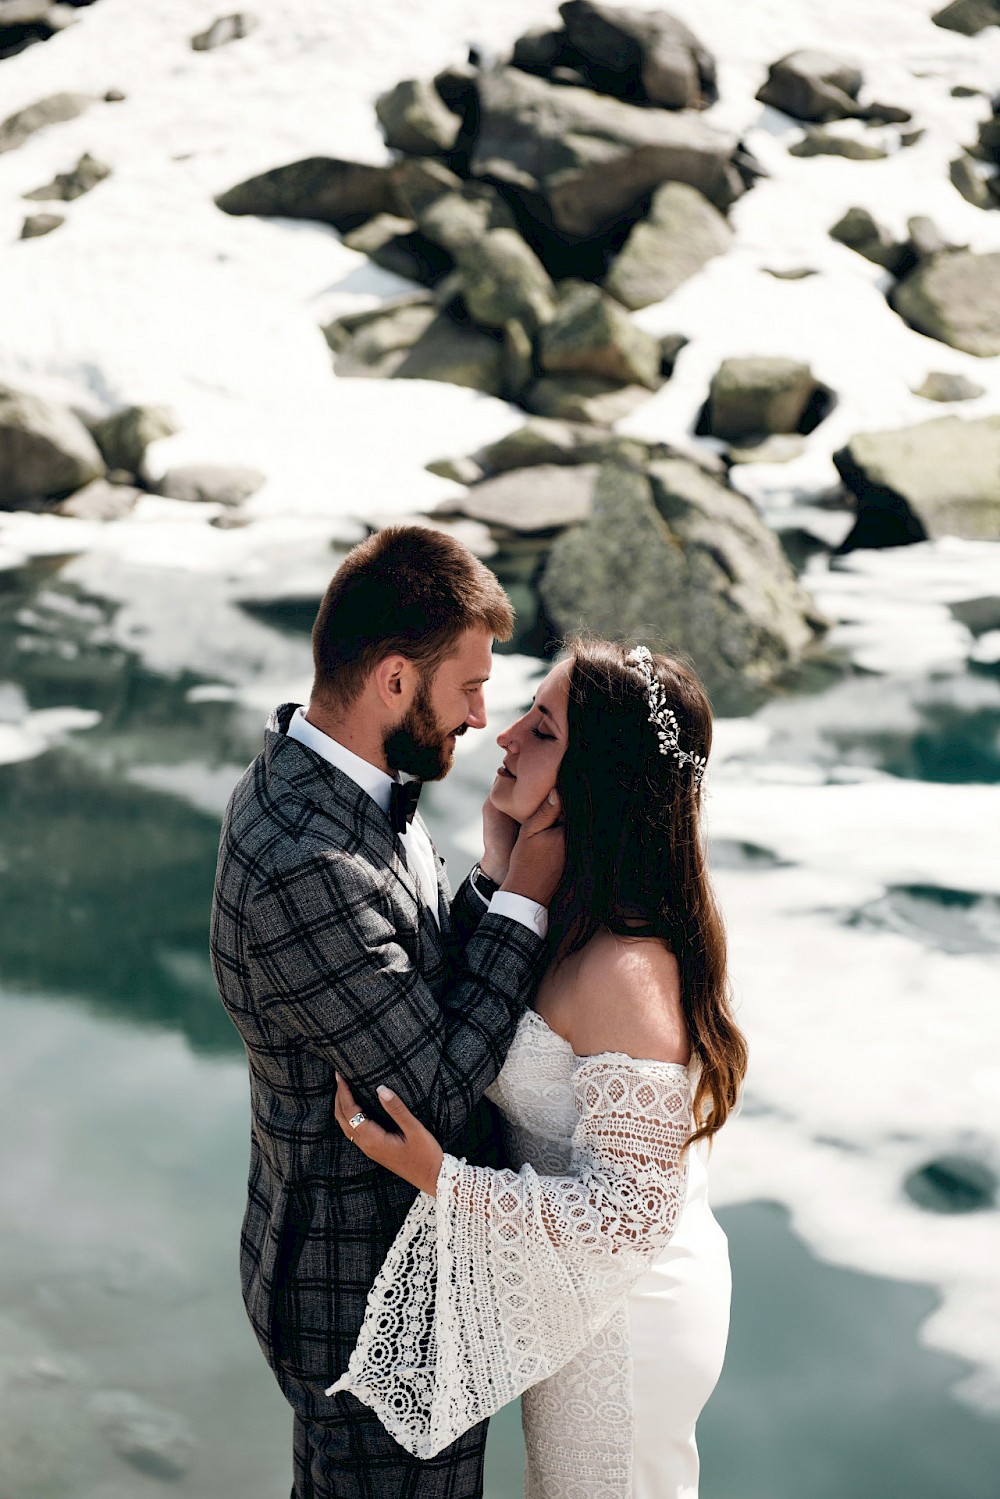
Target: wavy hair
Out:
[635,852]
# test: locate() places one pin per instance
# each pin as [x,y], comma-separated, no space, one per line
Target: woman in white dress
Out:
[593,1280]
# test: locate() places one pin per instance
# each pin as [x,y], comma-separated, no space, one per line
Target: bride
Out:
[594,1279]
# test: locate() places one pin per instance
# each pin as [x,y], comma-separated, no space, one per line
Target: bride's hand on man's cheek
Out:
[412,1154]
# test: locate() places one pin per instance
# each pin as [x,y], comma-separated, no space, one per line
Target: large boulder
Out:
[45,451]
[812,86]
[673,556]
[954,297]
[542,498]
[457,353]
[336,192]
[593,159]
[591,335]
[124,437]
[759,395]
[52,110]
[414,119]
[941,478]
[503,281]
[681,233]
[640,55]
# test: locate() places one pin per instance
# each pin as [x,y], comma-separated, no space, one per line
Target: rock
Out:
[226,29]
[154,1441]
[379,346]
[955,298]
[593,159]
[926,239]
[418,181]
[371,236]
[781,447]
[100,500]
[821,142]
[942,386]
[114,96]
[859,231]
[502,279]
[751,397]
[675,557]
[341,193]
[812,86]
[124,437]
[518,360]
[681,233]
[644,56]
[37,224]
[66,186]
[971,180]
[545,441]
[964,91]
[210,484]
[52,110]
[953,1183]
[910,137]
[543,498]
[591,335]
[395,245]
[339,333]
[23,22]
[581,398]
[45,451]
[458,220]
[538,50]
[988,143]
[969,17]
[935,479]
[457,353]
[884,114]
[414,119]
[671,345]
[979,615]
[461,470]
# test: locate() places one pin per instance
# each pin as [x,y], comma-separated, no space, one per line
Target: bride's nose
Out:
[504,738]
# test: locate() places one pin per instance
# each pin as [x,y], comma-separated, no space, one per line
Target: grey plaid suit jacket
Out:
[325,958]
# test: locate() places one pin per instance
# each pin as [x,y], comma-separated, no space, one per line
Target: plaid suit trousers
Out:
[326,959]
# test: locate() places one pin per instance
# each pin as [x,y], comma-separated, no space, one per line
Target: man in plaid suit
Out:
[336,947]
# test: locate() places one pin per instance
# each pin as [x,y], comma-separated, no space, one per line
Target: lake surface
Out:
[123,1132]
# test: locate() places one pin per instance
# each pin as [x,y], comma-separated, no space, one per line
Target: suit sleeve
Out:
[332,970]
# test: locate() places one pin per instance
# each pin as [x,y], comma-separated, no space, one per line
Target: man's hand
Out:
[499,836]
[413,1154]
[538,856]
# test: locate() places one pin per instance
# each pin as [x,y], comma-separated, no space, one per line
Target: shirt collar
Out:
[369,777]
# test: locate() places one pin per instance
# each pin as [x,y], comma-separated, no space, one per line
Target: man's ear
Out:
[391,677]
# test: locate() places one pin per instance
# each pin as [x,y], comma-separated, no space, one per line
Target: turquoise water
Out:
[123,1144]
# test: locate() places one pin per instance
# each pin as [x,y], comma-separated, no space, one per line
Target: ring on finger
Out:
[355,1120]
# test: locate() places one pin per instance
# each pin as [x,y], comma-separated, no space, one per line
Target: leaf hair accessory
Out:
[661,716]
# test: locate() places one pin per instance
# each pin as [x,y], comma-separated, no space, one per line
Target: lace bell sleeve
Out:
[503,1277]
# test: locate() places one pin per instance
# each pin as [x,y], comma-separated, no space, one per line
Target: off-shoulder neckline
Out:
[603,1055]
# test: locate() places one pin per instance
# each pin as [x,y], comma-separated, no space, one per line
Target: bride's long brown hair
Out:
[635,851]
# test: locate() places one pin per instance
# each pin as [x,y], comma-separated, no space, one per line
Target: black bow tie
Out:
[403,803]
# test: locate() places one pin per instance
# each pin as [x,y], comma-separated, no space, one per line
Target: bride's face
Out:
[533,749]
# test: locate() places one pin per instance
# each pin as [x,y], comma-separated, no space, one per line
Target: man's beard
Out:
[418,745]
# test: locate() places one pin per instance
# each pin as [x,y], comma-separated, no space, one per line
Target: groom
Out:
[336,947]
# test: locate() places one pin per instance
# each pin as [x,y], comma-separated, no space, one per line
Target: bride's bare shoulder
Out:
[623,994]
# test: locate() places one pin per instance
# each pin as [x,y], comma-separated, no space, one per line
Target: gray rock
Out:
[859,231]
[210,483]
[935,479]
[758,395]
[418,181]
[373,235]
[52,110]
[414,119]
[791,273]
[155,1441]
[457,354]
[381,344]
[339,333]
[955,298]
[66,186]
[545,497]
[591,335]
[641,54]
[979,614]
[953,1183]
[781,447]
[591,158]
[538,50]
[582,398]
[969,17]
[461,470]
[459,220]
[972,181]
[680,235]
[226,29]
[100,500]
[926,239]
[673,556]
[124,437]
[518,360]
[37,224]
[939,385]
[45,451]
[23,22]
[819,142]
[396,245]
[502,280]
[544,440]
[812,86]
[321,187]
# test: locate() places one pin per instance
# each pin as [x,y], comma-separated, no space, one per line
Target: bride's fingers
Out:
[397,1110]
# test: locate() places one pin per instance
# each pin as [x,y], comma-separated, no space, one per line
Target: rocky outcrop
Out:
[756,396]
[226,29]
[935,479]
[53,110]
[954,297]
[679,235]
[45,451]
[414,119]
[644,56]
[66,186]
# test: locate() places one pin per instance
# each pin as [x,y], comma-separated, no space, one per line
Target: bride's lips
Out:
[508,775]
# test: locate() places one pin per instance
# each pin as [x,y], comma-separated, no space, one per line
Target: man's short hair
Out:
[409,591]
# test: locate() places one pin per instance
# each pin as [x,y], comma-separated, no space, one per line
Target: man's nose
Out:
[476,717]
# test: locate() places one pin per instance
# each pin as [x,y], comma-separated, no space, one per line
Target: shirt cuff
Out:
[519,908]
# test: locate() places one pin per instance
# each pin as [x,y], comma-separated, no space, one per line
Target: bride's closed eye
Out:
[539,735]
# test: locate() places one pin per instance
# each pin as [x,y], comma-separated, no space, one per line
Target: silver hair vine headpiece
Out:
[661,715]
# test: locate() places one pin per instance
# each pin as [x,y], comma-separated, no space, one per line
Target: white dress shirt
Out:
[420,858]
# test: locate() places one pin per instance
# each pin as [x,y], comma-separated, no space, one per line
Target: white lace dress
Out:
[594,1281]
